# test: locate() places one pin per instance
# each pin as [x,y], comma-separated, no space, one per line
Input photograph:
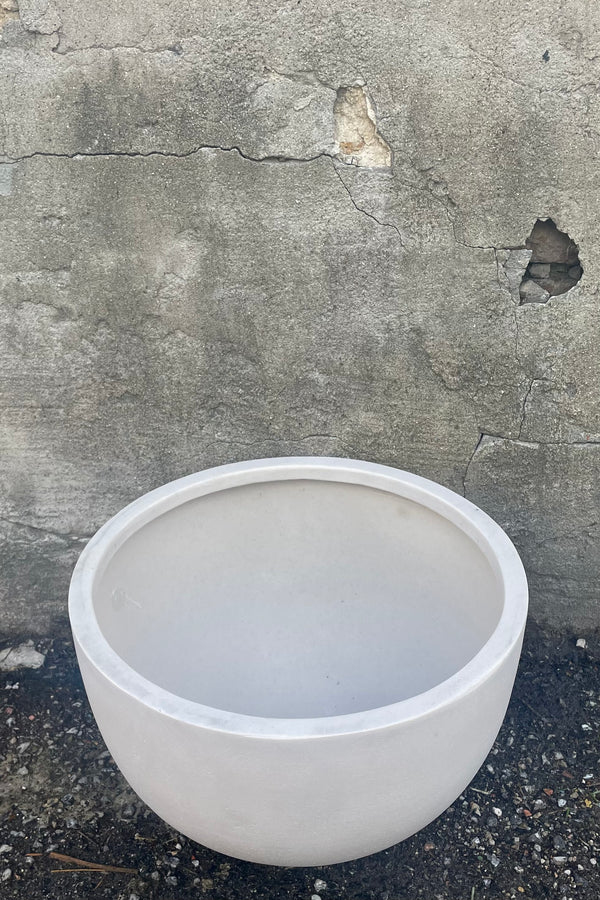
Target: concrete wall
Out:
[269,227]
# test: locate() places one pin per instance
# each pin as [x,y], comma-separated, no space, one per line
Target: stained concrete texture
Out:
[201,263]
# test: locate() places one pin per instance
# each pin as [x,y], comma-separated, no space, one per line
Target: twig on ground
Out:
[84,865]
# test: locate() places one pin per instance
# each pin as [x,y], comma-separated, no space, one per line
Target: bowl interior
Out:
[298,598]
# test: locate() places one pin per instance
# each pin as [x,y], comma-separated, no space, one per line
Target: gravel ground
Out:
[528,825]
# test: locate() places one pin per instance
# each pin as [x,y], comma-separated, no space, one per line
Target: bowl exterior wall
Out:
[300,801]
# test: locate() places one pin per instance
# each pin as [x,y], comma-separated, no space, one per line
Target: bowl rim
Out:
[481,528]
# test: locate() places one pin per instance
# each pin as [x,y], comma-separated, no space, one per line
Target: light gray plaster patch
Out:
[6,179]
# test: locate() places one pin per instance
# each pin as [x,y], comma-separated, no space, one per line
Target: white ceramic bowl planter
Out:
[299,661]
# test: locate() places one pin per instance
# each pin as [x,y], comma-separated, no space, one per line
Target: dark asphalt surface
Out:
[527,827]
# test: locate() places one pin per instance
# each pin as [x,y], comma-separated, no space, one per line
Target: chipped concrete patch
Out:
[358,139]
[554,267]
[9,9]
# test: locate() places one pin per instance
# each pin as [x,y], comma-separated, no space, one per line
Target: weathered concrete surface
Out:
[201,263]
[550,508]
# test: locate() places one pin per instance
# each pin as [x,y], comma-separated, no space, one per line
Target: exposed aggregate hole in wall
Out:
[554,266]
[358,141]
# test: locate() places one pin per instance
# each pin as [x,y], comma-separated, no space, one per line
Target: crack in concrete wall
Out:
[363,210]
[176,49]
[512,265]
[82,154]
[524,406]
[199,149]
[485,440]
[469,461]
[357,141]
